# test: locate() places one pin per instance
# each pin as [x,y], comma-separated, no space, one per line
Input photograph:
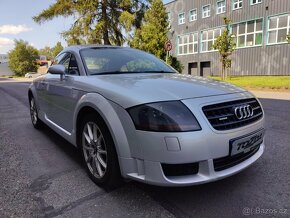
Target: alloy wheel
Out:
[33,111]
[94,149]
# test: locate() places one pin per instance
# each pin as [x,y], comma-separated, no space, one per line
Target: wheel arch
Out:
[95,103]
[31,91]
[30,94]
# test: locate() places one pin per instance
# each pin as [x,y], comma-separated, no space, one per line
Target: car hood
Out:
[132,89]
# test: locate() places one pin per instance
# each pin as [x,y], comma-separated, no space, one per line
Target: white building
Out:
[3,58]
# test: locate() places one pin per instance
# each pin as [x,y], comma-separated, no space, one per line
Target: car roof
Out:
[76,48]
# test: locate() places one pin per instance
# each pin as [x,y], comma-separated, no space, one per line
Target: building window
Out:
[248,33]
[208,38]
[205,11]
[237,4]
[254,2]
[193,15]
[278,29]
[221,7]
[187,44]
[181,18]
[169,16]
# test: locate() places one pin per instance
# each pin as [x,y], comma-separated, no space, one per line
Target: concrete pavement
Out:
[272,94]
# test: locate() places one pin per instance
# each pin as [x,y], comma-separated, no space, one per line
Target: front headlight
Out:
[171,116]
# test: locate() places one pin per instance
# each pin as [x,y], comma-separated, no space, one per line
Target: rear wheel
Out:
[37,123]
[98,151]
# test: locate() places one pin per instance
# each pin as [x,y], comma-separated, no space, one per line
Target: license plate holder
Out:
[246,143]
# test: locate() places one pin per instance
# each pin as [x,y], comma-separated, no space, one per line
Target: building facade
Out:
[3,58]
[259,27]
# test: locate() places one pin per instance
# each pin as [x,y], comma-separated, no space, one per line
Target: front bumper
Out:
[154,174]
[150,149]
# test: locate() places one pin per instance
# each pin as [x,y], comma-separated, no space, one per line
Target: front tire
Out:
[98,151]
[36,122]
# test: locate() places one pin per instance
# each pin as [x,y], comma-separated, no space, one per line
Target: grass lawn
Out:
[280,83]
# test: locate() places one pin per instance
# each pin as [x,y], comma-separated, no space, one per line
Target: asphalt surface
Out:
[41,175]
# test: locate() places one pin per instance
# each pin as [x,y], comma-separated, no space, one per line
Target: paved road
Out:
[41,175]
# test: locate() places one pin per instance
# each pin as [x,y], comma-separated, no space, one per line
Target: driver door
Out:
[62,96]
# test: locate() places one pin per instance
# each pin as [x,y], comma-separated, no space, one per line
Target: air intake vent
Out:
[180,169]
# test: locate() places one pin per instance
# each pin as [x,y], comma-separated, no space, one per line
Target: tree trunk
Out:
[105,19]
[224,69]
[226,73]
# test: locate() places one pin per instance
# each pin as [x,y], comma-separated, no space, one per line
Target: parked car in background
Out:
[32,75]
[42,61]
[135,117]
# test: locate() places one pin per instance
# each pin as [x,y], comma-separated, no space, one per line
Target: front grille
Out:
[222,116]
[230,161]
[180,169]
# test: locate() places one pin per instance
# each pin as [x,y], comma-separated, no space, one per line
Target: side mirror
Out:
[57,69]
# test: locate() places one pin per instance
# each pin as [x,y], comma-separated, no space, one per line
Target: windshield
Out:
[121,60]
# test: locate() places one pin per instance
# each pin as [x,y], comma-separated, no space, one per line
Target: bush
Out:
[22,58]
[175,63]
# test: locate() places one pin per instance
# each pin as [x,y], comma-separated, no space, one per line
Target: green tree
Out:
[225,44]
[104,21]
[175,63]
[57,49]
[288,38]
[153,32]
[51,53]
[22,58]
[46,51]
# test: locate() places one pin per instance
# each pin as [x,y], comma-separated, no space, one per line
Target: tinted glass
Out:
[241,41]
[259,25]
[251,26]
[250,40]
[204,35]
[272,36]
[121,60]
[217,33]
[59,58]
[283,21]
[65,62]
[282,35]
[259,39]
[273,23]
[242,28]
[210,34]
[73,66]
[234,29]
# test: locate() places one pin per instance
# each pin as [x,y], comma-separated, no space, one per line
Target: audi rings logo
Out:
[244,111]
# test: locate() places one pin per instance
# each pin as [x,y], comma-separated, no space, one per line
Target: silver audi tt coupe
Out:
[134,117]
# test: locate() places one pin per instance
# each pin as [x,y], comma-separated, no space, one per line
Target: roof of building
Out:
[170,2]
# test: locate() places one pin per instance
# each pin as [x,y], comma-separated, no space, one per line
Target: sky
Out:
[16,23]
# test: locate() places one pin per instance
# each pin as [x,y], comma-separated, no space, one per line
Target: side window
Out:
[65,62]
[73,66]
[59,58]
[69,62]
